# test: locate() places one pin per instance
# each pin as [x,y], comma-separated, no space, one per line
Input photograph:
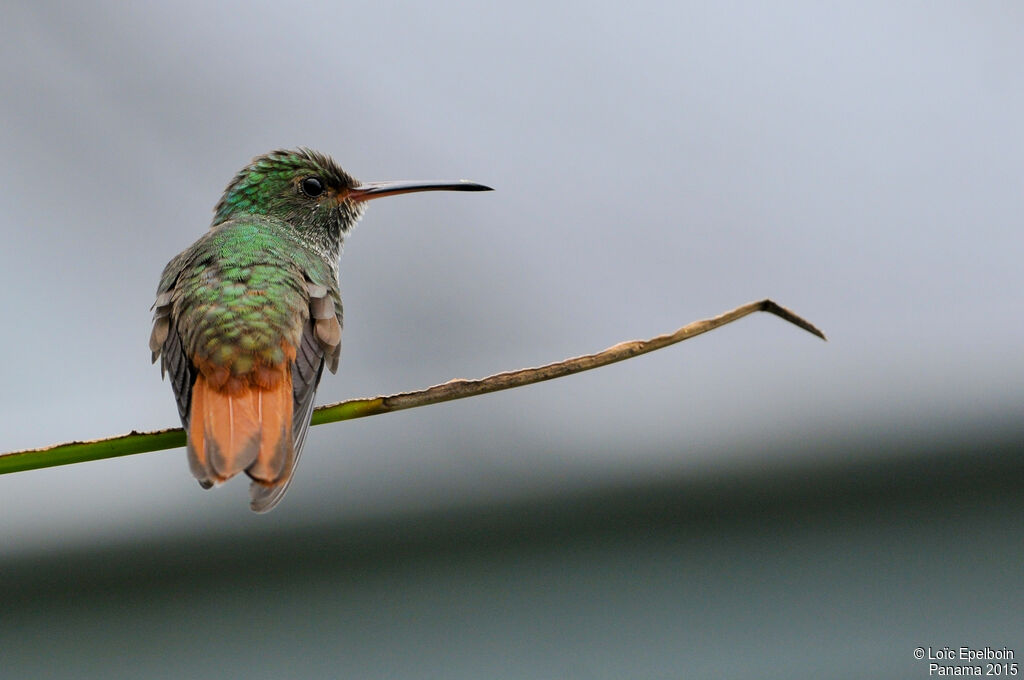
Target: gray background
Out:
[752,502]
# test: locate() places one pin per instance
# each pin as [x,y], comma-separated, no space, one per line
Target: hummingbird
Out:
[246,318]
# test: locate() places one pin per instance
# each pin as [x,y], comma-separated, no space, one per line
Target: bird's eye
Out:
[312,186]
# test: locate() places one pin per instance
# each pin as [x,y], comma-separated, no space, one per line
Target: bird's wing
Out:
[165,341]
[320,345]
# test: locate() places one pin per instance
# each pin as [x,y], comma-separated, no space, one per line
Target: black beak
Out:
[372,190]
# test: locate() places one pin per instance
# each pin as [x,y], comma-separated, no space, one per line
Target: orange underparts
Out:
[242,422]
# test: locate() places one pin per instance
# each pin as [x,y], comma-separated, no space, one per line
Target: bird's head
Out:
[310,192]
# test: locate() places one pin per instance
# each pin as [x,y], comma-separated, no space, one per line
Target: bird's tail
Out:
[240,427]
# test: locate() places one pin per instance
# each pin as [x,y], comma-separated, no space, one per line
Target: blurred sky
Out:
[860,163]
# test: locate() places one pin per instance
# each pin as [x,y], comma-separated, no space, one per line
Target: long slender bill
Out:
[372,190]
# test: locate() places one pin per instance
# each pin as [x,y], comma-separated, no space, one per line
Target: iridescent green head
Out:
[302,187]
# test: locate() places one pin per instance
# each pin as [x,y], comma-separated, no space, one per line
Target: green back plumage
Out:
[241,291]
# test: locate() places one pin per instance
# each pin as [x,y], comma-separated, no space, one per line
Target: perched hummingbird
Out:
[246,318]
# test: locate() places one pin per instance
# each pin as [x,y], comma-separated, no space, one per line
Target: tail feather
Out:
[242,429]
[275,412]
[263,496]
[233,431]
[197,460]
